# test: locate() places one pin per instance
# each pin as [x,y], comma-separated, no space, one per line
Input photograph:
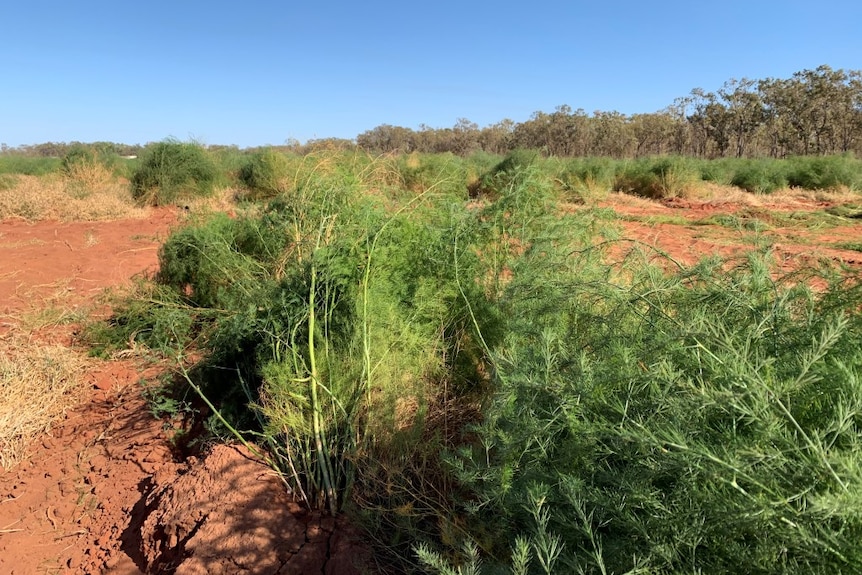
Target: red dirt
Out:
[687,240]
[102,493]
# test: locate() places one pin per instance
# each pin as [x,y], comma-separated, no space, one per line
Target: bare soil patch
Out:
[797,228]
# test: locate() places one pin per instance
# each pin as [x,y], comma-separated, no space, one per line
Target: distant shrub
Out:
[87,169]
[442,173]
[172,170]
[588,179]
[760,176]
[825,172]
[505,174]
[718,171]
[264,173]
[28,166]
[78,156]
[658,178]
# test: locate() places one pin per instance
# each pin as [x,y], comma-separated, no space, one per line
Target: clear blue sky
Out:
[259,72]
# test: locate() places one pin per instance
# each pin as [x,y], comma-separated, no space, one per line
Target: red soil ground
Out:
[677,228]
[102,492]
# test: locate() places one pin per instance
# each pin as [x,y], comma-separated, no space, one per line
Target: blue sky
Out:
[259,72]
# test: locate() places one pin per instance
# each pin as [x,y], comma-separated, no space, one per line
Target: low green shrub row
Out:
[27,166]
[171,171]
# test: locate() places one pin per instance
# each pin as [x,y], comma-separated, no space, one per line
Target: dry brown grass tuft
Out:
[38,384]
[221,200]
[91,194]
[786,197]
[89,175]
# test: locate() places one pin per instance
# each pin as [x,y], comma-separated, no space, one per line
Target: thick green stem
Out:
[319,440]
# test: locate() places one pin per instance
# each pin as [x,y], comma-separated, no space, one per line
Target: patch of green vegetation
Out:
[855,246]
[658,178]
[171,171]
[760,176]
[825,172]
[741,221]
[719,171]
[83,157]
[587,179]
[28,166]
[683,411]
[445,175]
[657,219]
[265,173]
[473,375]
[759,220]
[807,219]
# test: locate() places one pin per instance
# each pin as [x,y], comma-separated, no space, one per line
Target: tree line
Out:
[814,112]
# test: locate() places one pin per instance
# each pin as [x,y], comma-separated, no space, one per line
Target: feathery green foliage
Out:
[658,177]
[171,171]
[588,179]
[703,421]
[760,176]
[265,172]
[28,166]
[825,172]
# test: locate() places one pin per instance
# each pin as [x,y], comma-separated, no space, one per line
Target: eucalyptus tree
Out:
[497,138]
[387,138]
[743,111]
[653,134]
[612,135]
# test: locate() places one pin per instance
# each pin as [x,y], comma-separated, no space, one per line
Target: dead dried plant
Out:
[38,384]
[57,197]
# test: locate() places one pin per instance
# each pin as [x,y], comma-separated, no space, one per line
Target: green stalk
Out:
[319,439]
[251,447]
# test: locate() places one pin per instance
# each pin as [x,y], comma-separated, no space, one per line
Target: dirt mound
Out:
[64,510]
[228,514]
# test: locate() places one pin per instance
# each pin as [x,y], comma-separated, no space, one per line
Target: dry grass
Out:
[38,384]
[716,194]
[86,195]
[89,175]
[789,198]
[221,200]
[837,196]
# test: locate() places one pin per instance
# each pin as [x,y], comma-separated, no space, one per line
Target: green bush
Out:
[265,173]
[825,172]
[79,156]
[475,372]
[171,171]
[439,174]
[588,179]
[702,422]
[719,171]
[657,178]
[28,166]
[760,176]
[506,174]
